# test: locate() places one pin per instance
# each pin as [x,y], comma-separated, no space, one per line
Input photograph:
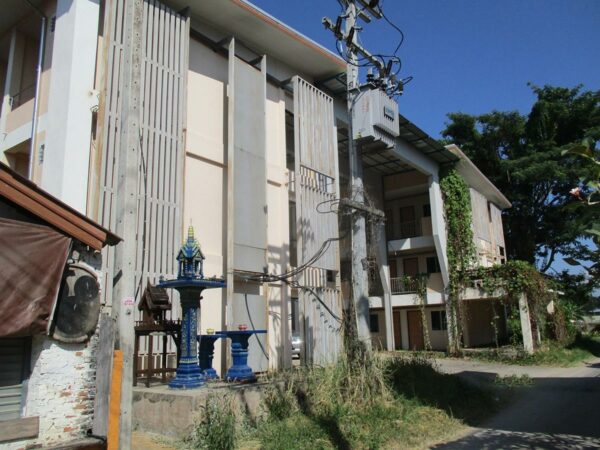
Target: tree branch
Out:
[549,261]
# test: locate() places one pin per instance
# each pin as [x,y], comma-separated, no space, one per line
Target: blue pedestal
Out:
[190,283]
[189,375]
[240,370]
[206,354]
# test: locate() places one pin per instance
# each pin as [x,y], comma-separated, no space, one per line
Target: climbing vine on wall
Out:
[511,280]
[418,283]
[460,248]
[507,281]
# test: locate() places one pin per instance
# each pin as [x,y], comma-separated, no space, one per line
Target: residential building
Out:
[412,252]
[149,116]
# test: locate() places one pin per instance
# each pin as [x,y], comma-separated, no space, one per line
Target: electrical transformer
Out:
[375,117]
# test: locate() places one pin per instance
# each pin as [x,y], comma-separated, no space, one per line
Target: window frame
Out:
[441,322]
[376,328]
[436,263]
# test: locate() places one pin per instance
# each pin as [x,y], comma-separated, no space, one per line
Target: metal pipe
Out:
[36,101]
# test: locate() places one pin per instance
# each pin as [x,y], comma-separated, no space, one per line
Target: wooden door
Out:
[397,333]
[389,224]
[393,268]
[415,331]
[411,267]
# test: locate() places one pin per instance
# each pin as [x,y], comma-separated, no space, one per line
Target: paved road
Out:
[560,411]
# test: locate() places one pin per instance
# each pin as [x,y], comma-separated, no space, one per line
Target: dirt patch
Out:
[147,441]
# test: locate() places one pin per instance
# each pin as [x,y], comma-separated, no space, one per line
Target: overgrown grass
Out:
[512,381]
[396,402]
[382,403]
[416,378]
[216,427]
[551,354]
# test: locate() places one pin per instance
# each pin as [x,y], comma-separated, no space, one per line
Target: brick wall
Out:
[60,391]
[61,387]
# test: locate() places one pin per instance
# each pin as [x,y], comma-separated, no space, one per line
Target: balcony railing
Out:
[401,285]
[406,230]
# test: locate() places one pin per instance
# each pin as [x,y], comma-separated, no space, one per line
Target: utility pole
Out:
[383,81]
[124,285]
[358,236]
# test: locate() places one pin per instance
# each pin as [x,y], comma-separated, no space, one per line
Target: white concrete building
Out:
[412,250]
[149,116]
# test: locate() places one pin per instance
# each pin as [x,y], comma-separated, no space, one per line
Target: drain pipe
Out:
[38,81]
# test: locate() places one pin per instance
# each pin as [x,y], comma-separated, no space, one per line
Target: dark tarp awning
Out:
[32,261]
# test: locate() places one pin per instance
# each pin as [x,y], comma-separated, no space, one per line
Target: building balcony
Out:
[416,234]
[400,285]
[405,230]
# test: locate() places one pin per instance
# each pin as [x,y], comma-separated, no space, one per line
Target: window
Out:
[14,361]
[331,276]
[427,210]
[502,254]
[438,321]
[433,265]
[389,223]
[374,323]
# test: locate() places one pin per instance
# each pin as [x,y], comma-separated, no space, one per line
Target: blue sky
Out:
[471,56]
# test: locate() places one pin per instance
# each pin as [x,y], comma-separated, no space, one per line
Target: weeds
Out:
[381,403]
[216,426]
[513,380]
[370,403]
[416,378]
[280,401]
[551,353]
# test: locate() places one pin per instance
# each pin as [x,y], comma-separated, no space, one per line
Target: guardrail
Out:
[406,230]
[401,285]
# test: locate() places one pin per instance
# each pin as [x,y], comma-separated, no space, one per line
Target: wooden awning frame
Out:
[27,195]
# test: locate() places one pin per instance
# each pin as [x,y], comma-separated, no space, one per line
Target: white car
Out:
[296,345]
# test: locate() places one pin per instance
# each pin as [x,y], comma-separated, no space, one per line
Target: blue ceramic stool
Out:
[240,370]
[206,354]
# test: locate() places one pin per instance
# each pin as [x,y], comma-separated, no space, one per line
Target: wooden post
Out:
[103,375]
[150,360]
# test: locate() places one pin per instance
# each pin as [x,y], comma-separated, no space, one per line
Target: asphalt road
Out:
[561,410]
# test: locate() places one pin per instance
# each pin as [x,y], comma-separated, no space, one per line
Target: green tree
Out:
[522,156]
[587,205]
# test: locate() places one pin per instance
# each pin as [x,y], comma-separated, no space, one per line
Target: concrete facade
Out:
[241,180]
[71,101]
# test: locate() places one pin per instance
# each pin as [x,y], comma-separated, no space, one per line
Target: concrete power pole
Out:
[124,288]
[383,81]
[358,238]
